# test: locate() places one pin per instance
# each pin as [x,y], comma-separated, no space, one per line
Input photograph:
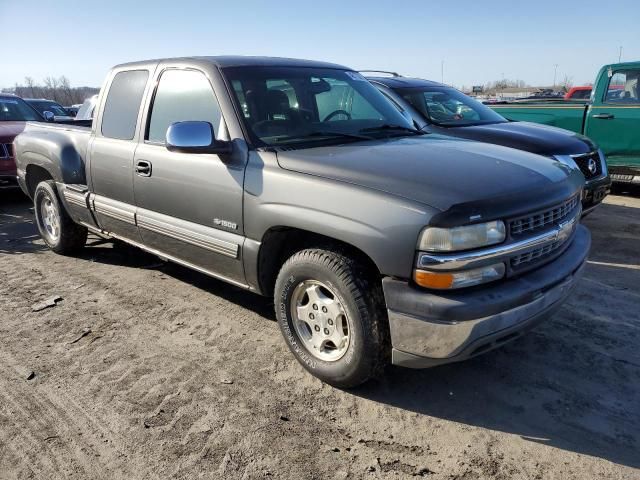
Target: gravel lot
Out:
[147,370]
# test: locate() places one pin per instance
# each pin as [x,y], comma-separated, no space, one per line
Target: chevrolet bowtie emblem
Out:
[565,229]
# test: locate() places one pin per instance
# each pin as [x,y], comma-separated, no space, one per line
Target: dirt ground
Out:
[146,370]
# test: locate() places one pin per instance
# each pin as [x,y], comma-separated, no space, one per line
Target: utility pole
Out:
[620,55]
[442,71]
[555,74]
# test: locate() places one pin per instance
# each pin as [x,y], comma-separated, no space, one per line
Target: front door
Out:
[614,119]
[189,205]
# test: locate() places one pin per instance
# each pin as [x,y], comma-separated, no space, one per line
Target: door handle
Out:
[604,116]
[143,168]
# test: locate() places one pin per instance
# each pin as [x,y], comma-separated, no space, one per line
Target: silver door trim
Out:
[75,198]
[165,256]
[188,235]
[114,209]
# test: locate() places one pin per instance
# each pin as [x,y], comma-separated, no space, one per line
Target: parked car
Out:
[43,105]
[14,112]
[611,118]
[578,93]
[300,180]
[445,110]
[86,111]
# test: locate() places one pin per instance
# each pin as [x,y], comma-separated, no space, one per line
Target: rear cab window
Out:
[123,104]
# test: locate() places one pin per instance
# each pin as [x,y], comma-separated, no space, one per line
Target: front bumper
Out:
[429,329]
[626,174]
[594,192]
[8,181]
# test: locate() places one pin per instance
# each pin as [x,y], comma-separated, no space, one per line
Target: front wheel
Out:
[332,315]
[58,230]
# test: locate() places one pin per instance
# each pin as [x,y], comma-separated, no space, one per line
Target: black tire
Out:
[69,237]
[361,297]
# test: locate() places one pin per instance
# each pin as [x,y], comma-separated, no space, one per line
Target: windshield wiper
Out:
[388,126]
[321,133]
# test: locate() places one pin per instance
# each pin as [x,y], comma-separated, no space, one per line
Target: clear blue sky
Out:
[479,41]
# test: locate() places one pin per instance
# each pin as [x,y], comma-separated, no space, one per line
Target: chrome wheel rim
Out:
[320,320]
[50,219]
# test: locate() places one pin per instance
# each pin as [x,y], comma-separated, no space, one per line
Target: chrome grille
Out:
[540,252]
[539,220]
[5,150]
[582,161]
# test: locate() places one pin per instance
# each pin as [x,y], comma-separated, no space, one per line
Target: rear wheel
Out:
[58,230]
[332,315]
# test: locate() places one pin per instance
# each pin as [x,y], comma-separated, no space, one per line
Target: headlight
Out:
[459,279]
[434,239]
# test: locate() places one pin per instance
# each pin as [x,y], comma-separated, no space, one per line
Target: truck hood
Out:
[10,130]
[445,174]
[530,137]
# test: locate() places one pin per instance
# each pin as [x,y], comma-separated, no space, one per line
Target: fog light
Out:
[465,278]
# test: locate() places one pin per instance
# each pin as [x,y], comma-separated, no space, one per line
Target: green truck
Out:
[611,117]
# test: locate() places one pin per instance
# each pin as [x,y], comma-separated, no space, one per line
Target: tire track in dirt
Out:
[39,418]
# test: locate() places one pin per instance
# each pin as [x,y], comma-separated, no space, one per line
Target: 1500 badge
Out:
[225,223]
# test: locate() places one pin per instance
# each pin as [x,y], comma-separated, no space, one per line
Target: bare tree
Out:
[505,83]
[65,87]
[30,84]
[51,84]
[566,83]
[58,89]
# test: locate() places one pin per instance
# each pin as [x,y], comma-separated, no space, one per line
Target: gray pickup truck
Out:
[300,180]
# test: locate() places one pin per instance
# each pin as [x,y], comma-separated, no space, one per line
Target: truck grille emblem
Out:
[592,166]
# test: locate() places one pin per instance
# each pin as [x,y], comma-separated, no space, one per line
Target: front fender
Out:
[383,226]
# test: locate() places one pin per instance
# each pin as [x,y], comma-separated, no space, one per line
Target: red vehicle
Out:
[583,93]
[578,93]
[14,113]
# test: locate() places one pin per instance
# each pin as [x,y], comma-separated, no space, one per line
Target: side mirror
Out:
[48,116]
[194,137]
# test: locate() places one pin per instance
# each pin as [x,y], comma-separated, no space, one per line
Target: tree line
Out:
[57,89]
[564,84]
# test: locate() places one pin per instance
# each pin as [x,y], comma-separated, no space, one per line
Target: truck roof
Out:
[405,82]
[224,61]
[634,64]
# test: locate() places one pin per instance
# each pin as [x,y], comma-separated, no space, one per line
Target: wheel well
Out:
[34,176]
[279,243]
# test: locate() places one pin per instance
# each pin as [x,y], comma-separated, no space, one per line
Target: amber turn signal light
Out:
[440,281]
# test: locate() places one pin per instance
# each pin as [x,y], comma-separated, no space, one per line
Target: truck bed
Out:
[80,126]
[60,149]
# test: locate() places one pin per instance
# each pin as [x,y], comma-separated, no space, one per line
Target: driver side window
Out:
[182,95]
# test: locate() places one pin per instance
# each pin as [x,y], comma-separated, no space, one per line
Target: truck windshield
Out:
[299,105]
[448,107]
[16,110]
